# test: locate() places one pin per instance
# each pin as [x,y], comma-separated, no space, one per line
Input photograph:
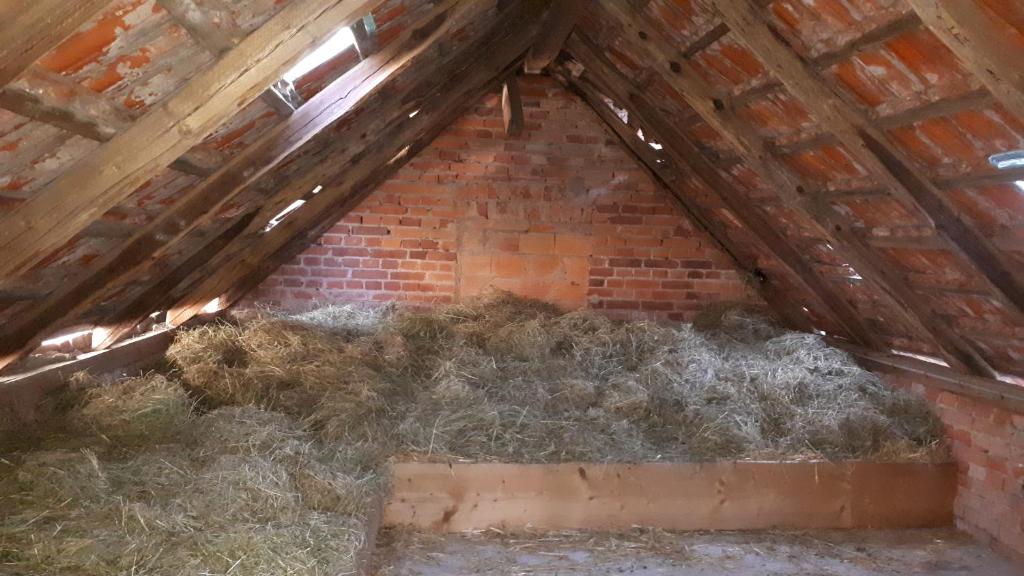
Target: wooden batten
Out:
[558,24]
[980,43]
[454,497]
[113,171]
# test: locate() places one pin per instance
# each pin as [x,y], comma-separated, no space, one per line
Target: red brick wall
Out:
[988,444]
[561,212]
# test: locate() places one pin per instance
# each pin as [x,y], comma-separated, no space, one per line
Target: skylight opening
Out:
[413,113]
[284,214]
[336,44]
[1020,185]
[640,134]
[64,338]
[1007,160]
[655,145]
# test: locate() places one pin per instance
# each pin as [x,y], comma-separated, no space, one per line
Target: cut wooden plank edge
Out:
[723,495]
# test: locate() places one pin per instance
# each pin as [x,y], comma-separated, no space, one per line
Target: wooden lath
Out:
[717,111]
[670,177]
[872,149]
[117,168]
[439,98]
[28,30]
[53,99]
[981,46]
[134,260]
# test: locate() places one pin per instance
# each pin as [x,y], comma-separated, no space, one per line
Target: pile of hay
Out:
[506,378]
[145,485]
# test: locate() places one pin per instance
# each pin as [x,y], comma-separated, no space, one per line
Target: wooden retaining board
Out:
[673,496]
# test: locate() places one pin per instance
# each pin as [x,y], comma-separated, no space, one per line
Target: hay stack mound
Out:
[505,378]
[155,489]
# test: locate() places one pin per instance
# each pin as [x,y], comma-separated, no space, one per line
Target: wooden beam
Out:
[1003,394]
[129,316]
[30,28]
[685,153]
[211,24]
[255,254]
[112,172]
[460,496]
[983,45]
[135,258]
[658,165]
[798,194]
[872,149]
[51,98]
[558,25]
[512,107]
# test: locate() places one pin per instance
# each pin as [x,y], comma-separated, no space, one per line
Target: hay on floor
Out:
[506,378]
[236,490]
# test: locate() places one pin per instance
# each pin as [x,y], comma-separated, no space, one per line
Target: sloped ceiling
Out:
[837,148]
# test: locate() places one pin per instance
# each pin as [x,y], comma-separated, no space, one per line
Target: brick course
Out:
[561,213]
[988,444]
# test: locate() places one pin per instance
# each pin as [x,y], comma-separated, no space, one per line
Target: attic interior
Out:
[475,286]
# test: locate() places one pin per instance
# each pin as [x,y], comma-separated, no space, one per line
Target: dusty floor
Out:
[647,553]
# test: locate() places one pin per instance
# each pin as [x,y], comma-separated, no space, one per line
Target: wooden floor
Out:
[935,552]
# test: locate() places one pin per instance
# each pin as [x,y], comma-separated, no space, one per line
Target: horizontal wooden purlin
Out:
[112,172]
[1007,395]
[50,98]
[722,495]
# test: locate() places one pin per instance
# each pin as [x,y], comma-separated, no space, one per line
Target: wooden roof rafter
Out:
[716,109]
[117,168]
[971,34]
[663,170]
[872,149]
[135,259]
[687,154]
[439,99]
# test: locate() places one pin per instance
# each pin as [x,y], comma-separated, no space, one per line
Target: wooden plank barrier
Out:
[673,496]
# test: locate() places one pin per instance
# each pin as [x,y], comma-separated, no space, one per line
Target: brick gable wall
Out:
[988,445]
[562,213]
